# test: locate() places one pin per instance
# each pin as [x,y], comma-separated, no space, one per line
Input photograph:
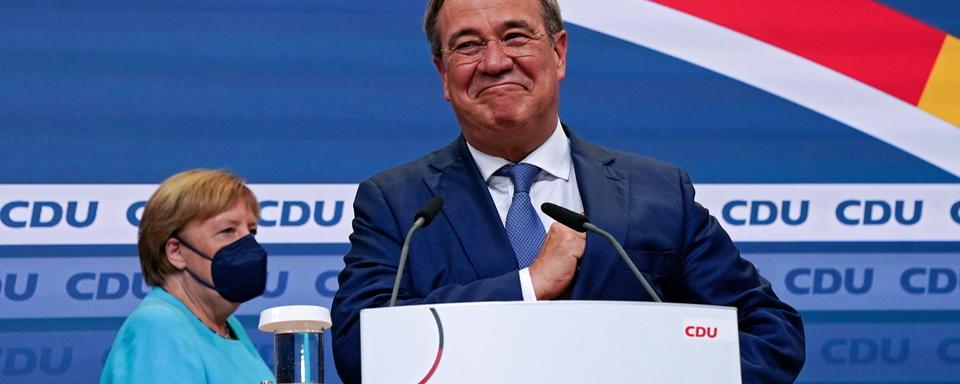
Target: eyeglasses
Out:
[515,44]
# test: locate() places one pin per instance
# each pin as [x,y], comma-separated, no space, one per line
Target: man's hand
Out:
[556,264]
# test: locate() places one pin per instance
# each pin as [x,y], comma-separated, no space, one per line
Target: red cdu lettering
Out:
[700,332]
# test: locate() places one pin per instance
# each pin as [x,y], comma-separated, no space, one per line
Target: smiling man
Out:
[501,63]
[501,71]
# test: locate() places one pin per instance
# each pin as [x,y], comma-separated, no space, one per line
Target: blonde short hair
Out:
[197,194]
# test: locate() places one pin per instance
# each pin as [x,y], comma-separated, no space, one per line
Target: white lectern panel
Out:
[551,342]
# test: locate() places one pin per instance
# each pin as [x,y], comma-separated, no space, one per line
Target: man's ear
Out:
[438,62]
[174,250]
[560,49]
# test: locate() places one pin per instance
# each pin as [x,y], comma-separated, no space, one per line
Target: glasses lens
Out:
[517,47]
[514,46]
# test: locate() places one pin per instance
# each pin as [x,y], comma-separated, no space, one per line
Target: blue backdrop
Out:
[307,94]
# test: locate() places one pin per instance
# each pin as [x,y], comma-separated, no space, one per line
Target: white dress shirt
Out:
[557,183]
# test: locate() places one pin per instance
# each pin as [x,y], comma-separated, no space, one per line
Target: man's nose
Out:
[494,61]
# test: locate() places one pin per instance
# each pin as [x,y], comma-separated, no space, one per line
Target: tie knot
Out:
[521,174]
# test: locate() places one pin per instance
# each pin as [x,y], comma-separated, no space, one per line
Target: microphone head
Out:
[429,211]
[565,216]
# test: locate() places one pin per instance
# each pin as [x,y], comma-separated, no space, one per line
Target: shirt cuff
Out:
[526,285]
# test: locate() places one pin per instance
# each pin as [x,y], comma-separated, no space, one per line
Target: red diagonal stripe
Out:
[862,39]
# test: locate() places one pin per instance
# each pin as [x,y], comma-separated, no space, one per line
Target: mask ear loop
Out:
[194,275]
[190,247]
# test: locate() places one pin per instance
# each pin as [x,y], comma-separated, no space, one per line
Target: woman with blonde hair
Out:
[198,252]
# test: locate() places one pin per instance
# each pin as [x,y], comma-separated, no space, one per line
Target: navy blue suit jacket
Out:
[464,254]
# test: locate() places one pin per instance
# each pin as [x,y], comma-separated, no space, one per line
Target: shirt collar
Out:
[553,156]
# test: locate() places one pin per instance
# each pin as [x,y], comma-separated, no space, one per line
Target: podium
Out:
[550,342]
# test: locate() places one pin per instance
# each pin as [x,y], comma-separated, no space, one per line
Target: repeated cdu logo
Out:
[829,281]
[866,350]
[879,212]
[848,212]
[107,286]
[22,361]
[765,212]
[14,291]
[110,213]
[58,350]
[860,280]
[896,351]
[955,212]
[835,212]
[298,213]
[273,213]
[87,286]
[930,281]
[949,351]
[46,214]
[326,283]
[115,285]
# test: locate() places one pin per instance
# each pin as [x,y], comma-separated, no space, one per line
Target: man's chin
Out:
[503,104]
[495,120]
[507,117]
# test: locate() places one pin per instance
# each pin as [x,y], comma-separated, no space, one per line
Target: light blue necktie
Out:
[524,227]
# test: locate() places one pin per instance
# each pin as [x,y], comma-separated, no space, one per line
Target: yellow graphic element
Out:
[941,96]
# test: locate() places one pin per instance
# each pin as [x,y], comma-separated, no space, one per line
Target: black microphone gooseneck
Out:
[420,220]
[581,223]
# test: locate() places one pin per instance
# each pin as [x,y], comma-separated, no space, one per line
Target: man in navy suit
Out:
[501,62]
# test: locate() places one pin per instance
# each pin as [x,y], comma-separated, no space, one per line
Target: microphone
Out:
[429,211]
[581,223]
[423,218]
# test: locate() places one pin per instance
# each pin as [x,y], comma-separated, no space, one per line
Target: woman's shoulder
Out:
[157,316]
[154,345]
[156,327]
[155,312]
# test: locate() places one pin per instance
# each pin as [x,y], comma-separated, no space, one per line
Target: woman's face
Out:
[208,236]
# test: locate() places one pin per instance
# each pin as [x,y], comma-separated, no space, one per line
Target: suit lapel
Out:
[471,211]
[605,195]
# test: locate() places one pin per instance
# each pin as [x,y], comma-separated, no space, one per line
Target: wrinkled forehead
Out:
[480,17]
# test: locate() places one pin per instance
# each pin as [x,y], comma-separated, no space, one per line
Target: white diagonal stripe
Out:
[774,70]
